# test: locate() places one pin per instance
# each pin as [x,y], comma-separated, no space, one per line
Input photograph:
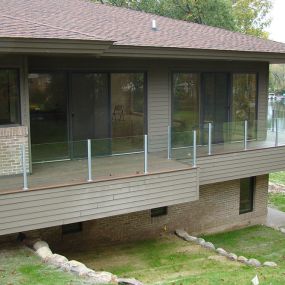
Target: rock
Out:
[232,256]
[209,245]
[253,262]
[200,241]
[282,230]
[56,260]
[103,278]
[269,264]
[221,251]
[44,252]
[77,267]
[242,259]
[39,244]
[128,281]
[183,234]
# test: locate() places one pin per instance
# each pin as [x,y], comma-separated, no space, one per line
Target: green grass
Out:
[277,201]
[170,260]
[19,266]
[277,177]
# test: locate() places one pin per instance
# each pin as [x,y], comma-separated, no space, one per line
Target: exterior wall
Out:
[34,209]
[216,210]
[11,140]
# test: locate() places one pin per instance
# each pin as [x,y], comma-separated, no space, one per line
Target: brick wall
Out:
[216,210]
[11,139]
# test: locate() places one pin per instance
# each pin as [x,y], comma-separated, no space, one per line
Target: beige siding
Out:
[231,166]
[39,209]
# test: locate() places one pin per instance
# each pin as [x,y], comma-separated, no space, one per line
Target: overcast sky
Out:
[277,27]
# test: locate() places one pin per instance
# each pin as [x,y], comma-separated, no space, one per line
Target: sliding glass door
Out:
[48,116]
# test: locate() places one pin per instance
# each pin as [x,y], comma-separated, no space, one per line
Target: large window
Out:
[247,186]
[9,97]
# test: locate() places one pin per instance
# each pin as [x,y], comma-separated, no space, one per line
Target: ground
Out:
[20,266]
[170,260]
[276,197]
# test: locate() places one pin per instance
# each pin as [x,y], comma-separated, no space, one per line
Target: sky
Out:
[277,27]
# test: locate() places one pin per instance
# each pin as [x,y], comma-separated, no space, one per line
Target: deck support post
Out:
[24,167]
[210,139]
[194,148]
[169,142]
[145,154]
[89,160]
[276,132]
[245,134]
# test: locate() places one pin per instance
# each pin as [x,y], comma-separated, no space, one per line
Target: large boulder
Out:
[56,260]
[77,267]
[253,262]
[221,251]
[103,278]
[242,259]
[39,244]
[44,252]
[232,256]
[183,234]
[208,245]
[269,264]
[200,241]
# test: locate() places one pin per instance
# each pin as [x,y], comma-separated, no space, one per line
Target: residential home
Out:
[118,125]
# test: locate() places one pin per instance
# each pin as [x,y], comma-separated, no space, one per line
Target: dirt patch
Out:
[276,188]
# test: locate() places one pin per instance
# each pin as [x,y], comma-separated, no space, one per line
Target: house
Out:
[118,125]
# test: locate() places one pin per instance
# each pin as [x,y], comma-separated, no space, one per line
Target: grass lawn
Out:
[19,266]
[277,177]
[170,260]
[277,201]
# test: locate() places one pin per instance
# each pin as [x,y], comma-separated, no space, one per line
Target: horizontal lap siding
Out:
[238,165]
[38,209]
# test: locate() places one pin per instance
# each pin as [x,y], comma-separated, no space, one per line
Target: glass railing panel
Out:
[280,128]
[182,145]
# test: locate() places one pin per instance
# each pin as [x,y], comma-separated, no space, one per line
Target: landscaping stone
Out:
[282,230]
[253,262]
[128,281]
[39,244]
[269,264]
[200,241]
[242,259]
[44,252]
[103,278]
[183,234]
[209,245]
[232,256]
[221,251]
[56,260]
[77,267]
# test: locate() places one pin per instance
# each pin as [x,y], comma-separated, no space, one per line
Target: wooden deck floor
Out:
[76,171]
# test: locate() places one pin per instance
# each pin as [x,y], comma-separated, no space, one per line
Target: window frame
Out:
[251,195]
[159,212]
[19,113]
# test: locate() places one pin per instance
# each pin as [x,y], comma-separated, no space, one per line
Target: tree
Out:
[246,16]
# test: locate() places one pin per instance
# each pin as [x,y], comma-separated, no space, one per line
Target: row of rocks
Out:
[231,256]
[59,261]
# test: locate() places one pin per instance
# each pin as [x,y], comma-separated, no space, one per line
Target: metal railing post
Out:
[276,134]
[194,148]
[145,154]
[272,120]
[89,160]
[24,166]
[245,135]
[210,139]
[169,142]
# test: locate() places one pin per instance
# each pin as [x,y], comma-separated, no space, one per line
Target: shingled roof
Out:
[86,20]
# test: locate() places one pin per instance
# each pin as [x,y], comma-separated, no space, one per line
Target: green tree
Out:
[246,16]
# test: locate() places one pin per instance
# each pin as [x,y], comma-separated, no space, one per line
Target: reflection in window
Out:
[247,186]
[9,97]
[48,115]
[185,114]
[128,116]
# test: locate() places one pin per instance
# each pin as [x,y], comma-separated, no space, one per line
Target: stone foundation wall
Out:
[11,139]
[216,210]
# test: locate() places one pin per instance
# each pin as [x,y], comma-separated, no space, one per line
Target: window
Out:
[162,211]
[9,97]
[71,228]
[247,186]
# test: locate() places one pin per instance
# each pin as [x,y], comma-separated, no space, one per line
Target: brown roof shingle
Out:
[85,20]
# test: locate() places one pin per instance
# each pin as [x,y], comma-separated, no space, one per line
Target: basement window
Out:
[157,212]
[247,187]
[72,228]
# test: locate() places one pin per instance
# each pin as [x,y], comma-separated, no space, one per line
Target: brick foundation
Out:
[216,210]
[11,139]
